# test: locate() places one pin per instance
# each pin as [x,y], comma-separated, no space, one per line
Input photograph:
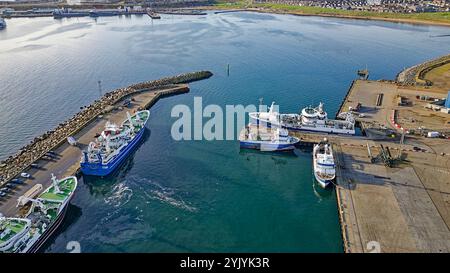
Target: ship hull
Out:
[49,231]
[266,146]
[98,169]
[70,15]
[268,124]
[317,170]
[103,14]
[322,182]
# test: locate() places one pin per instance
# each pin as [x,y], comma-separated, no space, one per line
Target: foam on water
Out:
[155,191]
[119,196]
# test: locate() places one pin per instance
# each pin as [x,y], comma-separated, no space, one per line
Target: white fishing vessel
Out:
[313,119]
[266,139]
[323,163]
[44,215]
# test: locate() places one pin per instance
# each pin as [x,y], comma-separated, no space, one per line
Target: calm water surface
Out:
[197,196]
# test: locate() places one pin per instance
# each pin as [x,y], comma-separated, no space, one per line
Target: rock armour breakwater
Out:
[415,75]
[28,154]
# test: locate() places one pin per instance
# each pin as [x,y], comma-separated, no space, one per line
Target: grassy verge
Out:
[432,17]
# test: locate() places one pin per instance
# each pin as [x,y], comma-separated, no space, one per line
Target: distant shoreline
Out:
[336,15]
[274,9]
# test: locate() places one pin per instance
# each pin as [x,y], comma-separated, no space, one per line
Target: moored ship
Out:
[266,139]
[312,119]
[44,216]
[12,232]
[113,145]
[323,163]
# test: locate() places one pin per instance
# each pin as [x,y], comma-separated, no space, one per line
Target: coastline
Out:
[260,9]
[302,13]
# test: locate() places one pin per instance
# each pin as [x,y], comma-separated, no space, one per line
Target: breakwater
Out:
[39,146]
[415,75]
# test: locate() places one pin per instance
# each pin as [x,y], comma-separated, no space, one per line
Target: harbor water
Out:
[197,196]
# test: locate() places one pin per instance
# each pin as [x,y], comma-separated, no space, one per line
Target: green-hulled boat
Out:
[43,218]
[12,232]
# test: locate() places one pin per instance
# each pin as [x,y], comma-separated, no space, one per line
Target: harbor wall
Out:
[39,146]
[345,99]
[415,75]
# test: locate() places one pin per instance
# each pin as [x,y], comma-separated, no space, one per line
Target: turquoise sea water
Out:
[197,196]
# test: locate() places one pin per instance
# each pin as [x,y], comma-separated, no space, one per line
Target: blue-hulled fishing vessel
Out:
[113,145]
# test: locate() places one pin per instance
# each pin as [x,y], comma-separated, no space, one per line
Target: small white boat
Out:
[324,167]
[25,175]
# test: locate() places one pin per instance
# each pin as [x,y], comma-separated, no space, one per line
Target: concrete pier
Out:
[405,208]
[83,126]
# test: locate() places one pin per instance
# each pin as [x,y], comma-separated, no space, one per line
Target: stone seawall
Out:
[415,75]
[28,154]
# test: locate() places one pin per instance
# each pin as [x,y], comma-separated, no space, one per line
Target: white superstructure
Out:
[323,161]
[310,119]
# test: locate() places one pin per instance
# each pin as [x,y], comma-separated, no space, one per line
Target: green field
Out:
[439,17]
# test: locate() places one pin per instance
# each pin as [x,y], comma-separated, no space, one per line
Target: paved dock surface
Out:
[402,209]
[67,161]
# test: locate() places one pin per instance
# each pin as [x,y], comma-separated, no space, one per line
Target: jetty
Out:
[51,152]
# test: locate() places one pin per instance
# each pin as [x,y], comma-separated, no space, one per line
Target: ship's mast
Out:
[130,121]
[55,184]
[108,149]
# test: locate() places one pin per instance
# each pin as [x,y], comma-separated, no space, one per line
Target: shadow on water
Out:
[322,193]
[103,185]
[285,154]
[73,213]
[279,158]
